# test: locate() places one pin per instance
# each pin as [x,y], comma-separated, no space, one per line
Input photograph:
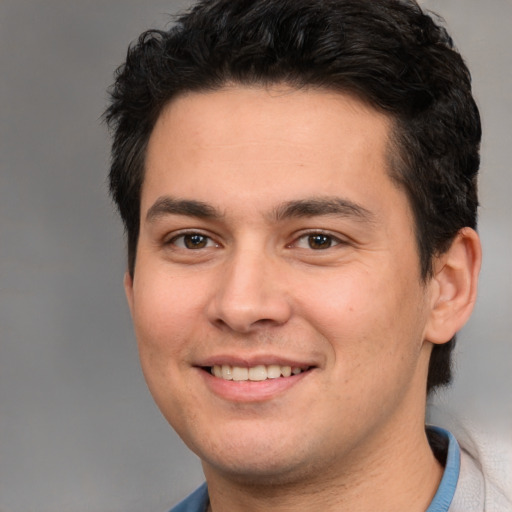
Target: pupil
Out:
[195,241]
[319,241]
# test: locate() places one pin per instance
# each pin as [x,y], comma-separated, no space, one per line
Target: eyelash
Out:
[330,239]
[190,235]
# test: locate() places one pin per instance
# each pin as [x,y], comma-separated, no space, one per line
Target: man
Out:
[297,180]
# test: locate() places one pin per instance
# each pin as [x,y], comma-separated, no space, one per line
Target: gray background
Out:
[78,429]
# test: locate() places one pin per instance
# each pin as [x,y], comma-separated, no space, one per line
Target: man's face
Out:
[272,239]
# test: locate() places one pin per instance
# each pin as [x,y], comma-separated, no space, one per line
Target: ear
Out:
[454,286]
[128,290]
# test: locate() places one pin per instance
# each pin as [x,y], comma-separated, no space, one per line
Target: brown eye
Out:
[192,241]
[319,241]
[195,241]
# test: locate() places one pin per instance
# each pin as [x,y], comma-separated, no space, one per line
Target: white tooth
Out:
[258,373]
[240,373]
[227,372]
[217,371]
[273,371]
[286,371]
[296,371]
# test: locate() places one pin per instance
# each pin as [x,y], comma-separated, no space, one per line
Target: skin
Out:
[252,173]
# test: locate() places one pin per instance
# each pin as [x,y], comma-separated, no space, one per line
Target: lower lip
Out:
[251,391]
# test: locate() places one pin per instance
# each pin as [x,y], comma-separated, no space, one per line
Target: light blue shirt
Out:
[446,489]
[198,500]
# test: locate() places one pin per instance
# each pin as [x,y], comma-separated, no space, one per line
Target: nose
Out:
[250,293]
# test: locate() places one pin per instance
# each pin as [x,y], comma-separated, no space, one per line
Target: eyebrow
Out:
[309,207]
[167,205]
[318,206]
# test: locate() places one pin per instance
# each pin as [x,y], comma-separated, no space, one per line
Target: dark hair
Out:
[388,52]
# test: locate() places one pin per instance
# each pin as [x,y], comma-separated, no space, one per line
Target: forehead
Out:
[252,139]
[306,112]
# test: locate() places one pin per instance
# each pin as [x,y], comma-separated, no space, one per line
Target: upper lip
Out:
[254,360]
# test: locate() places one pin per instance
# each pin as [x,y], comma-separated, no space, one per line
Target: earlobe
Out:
[128,290]
[454,286]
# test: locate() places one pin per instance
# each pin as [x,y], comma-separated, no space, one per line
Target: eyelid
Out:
[171,238]
[336,238]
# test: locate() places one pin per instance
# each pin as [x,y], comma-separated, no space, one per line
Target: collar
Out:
[446,489]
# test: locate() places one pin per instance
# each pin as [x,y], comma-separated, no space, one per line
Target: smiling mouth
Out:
[254,373]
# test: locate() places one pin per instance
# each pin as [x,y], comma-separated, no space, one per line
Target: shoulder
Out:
[485,480]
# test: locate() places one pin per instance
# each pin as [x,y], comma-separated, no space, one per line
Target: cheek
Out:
[368,318]
[167,299]
[164,321]
[344,303]
[163,315]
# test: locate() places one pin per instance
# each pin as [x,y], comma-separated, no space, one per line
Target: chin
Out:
[252,460]
[259,471]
